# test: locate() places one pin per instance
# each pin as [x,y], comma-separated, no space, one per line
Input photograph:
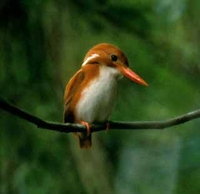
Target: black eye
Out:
[113,57]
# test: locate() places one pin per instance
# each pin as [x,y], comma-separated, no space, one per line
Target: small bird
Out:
[91,93]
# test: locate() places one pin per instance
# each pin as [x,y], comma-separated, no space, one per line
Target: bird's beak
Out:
[132,75]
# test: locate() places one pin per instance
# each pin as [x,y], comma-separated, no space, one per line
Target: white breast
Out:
[99,97]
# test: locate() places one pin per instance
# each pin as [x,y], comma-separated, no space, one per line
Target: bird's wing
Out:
[70,90]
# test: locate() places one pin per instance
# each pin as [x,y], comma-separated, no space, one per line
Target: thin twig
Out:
[72,127]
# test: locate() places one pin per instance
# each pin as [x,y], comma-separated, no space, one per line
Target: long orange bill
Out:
[132,76]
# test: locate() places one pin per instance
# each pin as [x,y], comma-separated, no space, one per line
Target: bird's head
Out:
[108,55]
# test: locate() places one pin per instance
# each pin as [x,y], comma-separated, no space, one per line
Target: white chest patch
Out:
[99,97]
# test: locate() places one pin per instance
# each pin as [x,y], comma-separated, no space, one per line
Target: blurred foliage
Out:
[42,44]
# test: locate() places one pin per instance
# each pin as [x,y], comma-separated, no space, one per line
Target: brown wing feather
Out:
[70,90]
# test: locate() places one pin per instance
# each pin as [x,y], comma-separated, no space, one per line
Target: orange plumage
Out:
[90,94]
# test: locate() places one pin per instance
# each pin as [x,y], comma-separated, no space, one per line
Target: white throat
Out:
[98,98]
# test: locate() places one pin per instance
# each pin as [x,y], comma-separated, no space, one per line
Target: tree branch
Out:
[71,127]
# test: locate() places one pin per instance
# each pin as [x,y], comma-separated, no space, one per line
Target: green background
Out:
[43,43]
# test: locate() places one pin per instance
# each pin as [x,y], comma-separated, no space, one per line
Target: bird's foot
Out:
[87,127]
[107,126]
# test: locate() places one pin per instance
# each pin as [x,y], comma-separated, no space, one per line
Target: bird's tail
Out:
[85,140]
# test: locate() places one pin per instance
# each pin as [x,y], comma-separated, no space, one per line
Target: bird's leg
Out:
[107,126]
[87,126]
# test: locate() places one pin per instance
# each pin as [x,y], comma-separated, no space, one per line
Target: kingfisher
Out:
[91,93]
